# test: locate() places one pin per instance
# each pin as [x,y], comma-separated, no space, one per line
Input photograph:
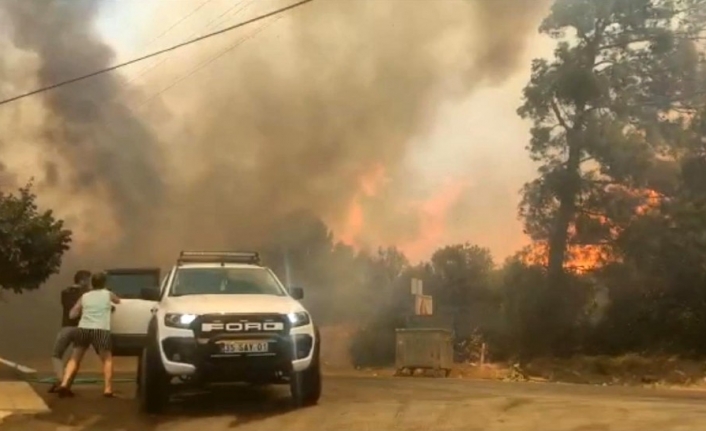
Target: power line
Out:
[149,68]
[179,21]
[206,63]
[154,54]
[108,123]
[153,66]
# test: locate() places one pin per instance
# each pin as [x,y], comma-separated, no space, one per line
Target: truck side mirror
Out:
[296,292]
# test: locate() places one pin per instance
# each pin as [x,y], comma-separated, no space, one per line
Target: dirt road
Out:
[360,403]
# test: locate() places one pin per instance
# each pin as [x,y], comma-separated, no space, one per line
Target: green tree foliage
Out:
[342,284]
[659,285]
[382,306]
[521,286]
[602,113]
[32,242]
[460,274]
[371,289]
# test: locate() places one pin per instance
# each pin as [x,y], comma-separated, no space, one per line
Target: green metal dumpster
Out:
[425,349]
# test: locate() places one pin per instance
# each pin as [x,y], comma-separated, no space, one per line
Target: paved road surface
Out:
[359,403]
[7,373]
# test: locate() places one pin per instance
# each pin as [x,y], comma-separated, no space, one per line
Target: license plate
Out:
[244,346]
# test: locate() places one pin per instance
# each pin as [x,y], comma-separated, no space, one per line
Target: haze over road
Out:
[360,403]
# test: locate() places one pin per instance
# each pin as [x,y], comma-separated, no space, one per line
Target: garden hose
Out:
[79,380]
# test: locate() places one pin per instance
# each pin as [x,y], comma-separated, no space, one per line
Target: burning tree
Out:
[603,123]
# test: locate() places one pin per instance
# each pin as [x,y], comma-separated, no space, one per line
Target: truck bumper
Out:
[185,356]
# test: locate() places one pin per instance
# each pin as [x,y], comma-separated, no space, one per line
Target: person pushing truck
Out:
[65,336]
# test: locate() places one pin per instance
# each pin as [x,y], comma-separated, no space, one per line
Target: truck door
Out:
[138,289]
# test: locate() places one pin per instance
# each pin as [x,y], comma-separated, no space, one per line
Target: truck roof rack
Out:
[222,257]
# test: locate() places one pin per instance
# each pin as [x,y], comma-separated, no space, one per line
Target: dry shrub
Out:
[630,369]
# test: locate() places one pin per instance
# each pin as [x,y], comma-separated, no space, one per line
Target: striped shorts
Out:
[99,339]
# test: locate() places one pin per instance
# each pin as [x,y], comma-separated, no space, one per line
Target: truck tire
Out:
[305,386]
[152,381]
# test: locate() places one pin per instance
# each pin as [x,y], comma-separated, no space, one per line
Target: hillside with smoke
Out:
[295,119]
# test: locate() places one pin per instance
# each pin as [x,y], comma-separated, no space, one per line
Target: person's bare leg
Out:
[72,367]
[61,354]
[107,358]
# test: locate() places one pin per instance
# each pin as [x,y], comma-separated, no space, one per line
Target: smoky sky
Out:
[287,121]
[289,126]
[100,140]
[292,119]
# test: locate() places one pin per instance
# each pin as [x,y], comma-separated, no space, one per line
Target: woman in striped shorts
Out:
[93,330]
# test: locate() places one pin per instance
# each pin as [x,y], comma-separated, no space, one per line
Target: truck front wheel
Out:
[153,382]
[305,385]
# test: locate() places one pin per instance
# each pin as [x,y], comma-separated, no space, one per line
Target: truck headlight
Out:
[300,318]
[176,320]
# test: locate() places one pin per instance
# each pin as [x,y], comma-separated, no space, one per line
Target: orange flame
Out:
[433,213]
[368,185]
[580,258]
[583,258]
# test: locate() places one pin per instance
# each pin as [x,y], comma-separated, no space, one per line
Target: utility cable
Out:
[208,26]
[182,19]
[154,54]
[206,63]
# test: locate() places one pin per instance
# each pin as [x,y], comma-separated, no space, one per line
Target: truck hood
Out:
[205,304]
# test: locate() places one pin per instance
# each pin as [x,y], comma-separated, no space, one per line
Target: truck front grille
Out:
[217,325]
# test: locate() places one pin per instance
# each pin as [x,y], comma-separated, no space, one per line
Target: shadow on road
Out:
[245,404]
[90,411]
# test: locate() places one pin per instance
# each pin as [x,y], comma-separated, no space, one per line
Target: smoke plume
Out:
[288,126]
[104,150]
[290,119]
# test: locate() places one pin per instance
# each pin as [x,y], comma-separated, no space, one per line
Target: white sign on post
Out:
[416,286]
[423,305]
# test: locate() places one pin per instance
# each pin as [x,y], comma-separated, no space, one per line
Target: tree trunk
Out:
[558,312]
[557,309]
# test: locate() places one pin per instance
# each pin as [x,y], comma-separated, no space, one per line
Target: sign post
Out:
[423,305]
[416,286]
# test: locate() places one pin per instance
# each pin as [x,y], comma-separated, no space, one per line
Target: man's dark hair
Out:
[98,280]
[81,276]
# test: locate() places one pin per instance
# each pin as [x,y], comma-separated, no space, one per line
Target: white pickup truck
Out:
[216,317]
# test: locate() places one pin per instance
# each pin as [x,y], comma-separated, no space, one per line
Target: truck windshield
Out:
[225,281]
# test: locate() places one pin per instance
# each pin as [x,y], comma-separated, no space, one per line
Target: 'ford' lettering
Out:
[242,326]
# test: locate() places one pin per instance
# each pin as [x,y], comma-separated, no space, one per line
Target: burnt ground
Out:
[384,403]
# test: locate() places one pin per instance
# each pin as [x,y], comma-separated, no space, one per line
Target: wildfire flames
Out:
[431,214]
[583,258]
[368,185]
